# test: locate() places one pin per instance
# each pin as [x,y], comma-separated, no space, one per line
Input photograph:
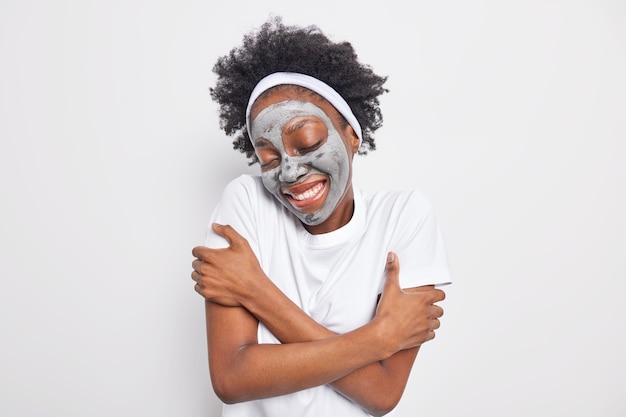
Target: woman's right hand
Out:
[227,276]
[408,318]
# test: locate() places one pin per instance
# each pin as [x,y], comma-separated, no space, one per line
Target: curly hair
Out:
[276,47]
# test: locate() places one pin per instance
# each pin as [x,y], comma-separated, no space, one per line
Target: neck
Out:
[339,218]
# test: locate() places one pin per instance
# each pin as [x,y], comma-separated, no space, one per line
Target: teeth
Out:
[310,193]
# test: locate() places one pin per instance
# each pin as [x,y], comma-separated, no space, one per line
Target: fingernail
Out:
[391,257]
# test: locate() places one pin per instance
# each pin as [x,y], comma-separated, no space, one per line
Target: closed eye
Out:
[304,134]
[269,164]
[268,155]
[314,147]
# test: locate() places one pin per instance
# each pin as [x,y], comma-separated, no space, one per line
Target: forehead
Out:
[287,116]
[282,93]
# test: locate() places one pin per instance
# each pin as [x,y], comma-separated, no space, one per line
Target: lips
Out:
[306,196]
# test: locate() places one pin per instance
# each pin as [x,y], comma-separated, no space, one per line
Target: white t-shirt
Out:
[334,277]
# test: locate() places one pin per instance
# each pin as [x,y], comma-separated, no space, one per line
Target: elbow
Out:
[227,385]
[382,405]
[225,397]
[226,390]
[380,411]
[227,381]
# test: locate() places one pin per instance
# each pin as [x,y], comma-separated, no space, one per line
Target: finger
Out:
[423,288]
[434,324]
[438,295]
[196,276]
[431,335]
[196,264]
[227,232]
[200,252]
[392,270]
[197,288]
[436,311]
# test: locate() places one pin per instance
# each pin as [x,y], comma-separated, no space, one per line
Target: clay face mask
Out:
[310,184]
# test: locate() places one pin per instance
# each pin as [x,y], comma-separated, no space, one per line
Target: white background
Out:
[509,116]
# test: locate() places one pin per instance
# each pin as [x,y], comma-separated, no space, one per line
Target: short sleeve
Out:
[421,247]
[236,207]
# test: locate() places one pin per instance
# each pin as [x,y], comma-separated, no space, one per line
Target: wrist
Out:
[382,339]
[254,292]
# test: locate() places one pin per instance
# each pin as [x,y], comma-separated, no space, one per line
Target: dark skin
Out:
[295,141]
[370,365]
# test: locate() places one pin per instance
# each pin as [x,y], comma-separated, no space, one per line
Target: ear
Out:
[353,139]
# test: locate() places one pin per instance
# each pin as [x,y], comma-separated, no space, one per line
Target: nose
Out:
[291,170]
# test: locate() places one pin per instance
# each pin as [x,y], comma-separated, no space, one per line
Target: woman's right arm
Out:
[242,370]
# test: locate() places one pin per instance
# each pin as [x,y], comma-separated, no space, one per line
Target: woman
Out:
[300,269]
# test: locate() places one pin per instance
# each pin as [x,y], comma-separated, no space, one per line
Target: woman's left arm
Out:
[232,276]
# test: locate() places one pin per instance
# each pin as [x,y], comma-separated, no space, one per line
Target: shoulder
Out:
[244,189]
[241,205]
[398,203]
[402,216]
[244,183]
[247,197]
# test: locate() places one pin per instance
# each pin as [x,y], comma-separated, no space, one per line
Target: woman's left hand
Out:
[226,276]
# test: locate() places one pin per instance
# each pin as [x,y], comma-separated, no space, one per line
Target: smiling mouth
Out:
[310,193]
[305,195]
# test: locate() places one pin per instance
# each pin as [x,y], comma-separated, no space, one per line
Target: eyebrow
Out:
[263,143]
[298,125]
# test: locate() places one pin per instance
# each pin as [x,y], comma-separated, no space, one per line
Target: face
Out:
[304,160]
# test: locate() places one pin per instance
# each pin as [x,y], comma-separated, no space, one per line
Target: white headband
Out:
[313,84]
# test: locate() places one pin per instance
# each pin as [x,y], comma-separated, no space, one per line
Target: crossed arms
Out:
[370,365]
